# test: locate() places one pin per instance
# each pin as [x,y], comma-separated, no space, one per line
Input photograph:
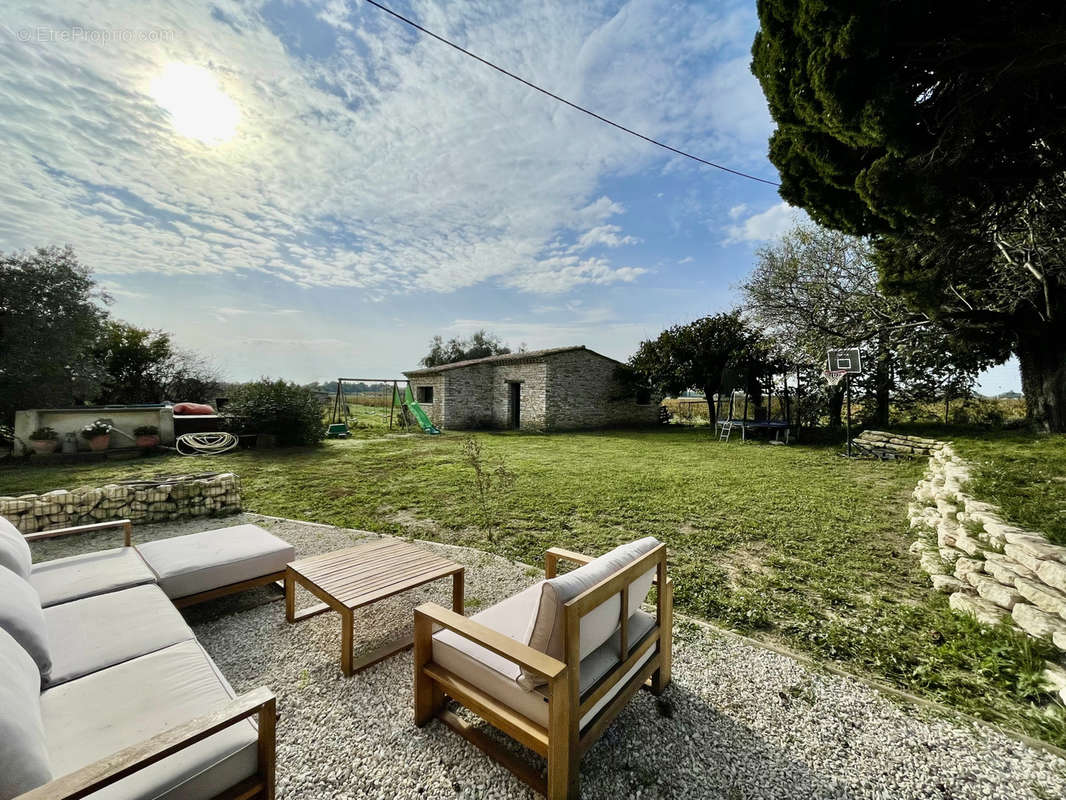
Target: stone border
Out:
[141,501]
[992,570]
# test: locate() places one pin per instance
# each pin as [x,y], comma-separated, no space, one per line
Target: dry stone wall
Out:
[155,500]
[898,443]
[992,570]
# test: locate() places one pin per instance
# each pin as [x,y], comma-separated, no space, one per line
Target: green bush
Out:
[290,412]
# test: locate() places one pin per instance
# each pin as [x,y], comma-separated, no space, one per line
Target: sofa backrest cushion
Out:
[14,550]
[24,763]
[597,626]
[21,616]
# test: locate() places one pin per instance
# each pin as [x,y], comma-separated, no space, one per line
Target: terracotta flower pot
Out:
[147,440]
[44,447]
[101,442]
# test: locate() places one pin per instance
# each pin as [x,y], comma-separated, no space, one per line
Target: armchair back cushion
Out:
[546,626]
[14,550]
[22,617]
[24,763]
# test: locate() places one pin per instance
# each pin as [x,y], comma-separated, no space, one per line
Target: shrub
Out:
[146,430]
[44,434]
[290,412]
[94,429]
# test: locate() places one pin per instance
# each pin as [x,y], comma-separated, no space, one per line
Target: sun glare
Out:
[198,108]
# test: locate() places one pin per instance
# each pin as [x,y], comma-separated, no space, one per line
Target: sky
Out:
[312,189]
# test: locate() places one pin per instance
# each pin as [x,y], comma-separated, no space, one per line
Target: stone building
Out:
[564,388]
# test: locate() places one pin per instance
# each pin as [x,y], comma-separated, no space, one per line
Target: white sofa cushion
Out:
[24,761]
[483,667]
[21,616]
[100,631]
[88,574]
[14,549]
[546,632]
[98,715]
[498,677]
[199,562]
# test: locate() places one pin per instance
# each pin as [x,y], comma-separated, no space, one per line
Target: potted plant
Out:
[146,435]
[44,440]
[98,435]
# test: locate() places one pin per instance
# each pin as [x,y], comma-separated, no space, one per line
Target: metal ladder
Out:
[727,428]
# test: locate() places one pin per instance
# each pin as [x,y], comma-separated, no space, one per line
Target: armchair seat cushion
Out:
[500,678]
[88,574]
[14,549]
[200,562]
[95,716]
[97,632]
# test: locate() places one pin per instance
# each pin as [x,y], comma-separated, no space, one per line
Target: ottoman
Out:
[199,566]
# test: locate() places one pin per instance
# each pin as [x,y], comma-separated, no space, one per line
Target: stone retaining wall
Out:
[152,500]
[898,443]
[991,569]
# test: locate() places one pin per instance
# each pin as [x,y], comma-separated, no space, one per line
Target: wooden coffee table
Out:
[357,576]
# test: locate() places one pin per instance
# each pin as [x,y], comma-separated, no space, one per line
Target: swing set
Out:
[384,406]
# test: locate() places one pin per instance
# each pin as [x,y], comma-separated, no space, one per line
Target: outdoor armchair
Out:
[553,665]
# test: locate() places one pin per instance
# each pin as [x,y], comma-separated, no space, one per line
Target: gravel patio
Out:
[738,722]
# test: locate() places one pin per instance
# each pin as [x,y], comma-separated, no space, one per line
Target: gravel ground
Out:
[738,722]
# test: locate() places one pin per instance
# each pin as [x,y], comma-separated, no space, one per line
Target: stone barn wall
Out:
[152,500]
[582,393]
[466,397]
[563,388]
[533,379]
[436,408]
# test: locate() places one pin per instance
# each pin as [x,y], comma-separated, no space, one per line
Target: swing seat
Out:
[337,430]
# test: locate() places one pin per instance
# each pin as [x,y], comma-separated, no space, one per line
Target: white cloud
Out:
[388,163]
[604,236]
[686,260]
[766,225]
[561,273]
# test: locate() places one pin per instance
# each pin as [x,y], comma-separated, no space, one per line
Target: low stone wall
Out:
[991,569]
[898,443]
[152,500]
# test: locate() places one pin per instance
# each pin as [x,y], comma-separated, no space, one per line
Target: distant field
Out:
[792,544]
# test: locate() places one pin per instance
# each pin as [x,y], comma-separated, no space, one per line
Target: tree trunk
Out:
[712,413]
[882,382]
[1042,357]
[836,405]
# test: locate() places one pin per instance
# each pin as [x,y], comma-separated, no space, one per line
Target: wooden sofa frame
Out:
[181,602]
[562,742]
[259,702]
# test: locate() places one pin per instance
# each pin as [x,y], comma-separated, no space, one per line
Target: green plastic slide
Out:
[420,415]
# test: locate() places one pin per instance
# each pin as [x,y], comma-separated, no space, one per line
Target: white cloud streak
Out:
[763,226]
[387,162]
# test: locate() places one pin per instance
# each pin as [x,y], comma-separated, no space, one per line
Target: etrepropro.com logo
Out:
[79,35]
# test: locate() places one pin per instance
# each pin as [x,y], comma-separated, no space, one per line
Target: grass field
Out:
[1024,474]
[791,544]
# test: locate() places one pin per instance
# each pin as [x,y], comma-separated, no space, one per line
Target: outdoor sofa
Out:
[553,665]
[105,691]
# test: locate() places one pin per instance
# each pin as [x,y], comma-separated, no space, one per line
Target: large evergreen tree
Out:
[940,130]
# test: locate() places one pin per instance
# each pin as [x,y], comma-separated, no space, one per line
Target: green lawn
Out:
[1024,474]
[792,544]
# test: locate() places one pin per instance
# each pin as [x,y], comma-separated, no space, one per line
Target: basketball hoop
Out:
[834,376]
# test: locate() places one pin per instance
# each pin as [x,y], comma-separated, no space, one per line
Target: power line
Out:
[564,101]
